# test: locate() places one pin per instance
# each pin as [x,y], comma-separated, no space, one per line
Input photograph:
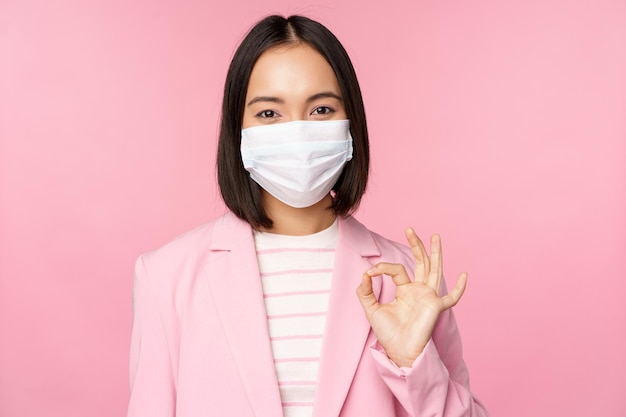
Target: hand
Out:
[404,326]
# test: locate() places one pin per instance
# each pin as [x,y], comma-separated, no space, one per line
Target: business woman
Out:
[286,305]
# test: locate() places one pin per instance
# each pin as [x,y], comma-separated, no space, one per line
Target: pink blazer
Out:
[200,345]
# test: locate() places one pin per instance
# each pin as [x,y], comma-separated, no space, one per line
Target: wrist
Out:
[403,360]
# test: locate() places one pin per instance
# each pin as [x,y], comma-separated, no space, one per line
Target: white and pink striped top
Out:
[296,274]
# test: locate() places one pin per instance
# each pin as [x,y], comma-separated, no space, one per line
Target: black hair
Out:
[240,193]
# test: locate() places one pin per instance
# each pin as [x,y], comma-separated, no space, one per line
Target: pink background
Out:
[502,127]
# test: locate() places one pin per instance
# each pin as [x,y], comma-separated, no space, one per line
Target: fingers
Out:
[422,262]
[396,271]
[455,295]
[428,270]
[436,263]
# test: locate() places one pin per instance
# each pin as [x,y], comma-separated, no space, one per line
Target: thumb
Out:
[365,292]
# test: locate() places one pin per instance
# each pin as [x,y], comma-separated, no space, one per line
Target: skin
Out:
[291,83]
[295,82]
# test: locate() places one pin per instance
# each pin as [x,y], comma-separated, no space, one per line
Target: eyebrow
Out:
[325,94]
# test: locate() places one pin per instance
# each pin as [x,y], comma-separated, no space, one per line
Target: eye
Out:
[267,114]
[322,111]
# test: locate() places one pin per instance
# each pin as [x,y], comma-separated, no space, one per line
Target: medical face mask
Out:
[297,162]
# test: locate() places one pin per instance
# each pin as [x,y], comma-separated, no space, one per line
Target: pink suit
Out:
[200,345]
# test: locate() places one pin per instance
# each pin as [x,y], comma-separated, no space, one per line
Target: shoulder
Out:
[194,248]
[374,244]
[186,244]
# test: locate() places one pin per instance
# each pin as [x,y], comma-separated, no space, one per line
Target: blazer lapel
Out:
[347,328]
[236,289]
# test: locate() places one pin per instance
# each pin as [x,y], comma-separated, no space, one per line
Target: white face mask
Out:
[297,162]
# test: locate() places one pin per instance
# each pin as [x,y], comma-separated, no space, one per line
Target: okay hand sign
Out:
[404,326]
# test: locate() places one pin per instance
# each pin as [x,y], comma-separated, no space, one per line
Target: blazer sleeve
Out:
[437,384]
[152,388]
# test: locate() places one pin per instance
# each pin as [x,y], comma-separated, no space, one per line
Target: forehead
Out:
[291,70]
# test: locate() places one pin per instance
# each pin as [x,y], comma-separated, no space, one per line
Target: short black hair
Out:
[242,194]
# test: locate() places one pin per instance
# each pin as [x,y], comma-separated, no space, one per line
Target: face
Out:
[290,83]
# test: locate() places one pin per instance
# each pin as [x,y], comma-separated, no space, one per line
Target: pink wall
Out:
[502,127]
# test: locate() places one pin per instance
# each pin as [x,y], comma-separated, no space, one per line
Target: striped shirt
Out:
[296,274]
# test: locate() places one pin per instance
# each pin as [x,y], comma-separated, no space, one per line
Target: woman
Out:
[255,313]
